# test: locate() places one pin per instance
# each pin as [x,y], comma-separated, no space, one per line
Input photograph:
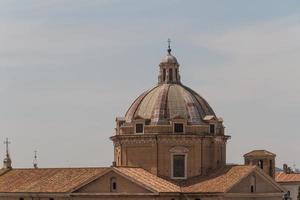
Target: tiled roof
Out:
[259,153]
[65,180]
[220,181]
[46,180]
[2,171]
[282,177]
[149,180]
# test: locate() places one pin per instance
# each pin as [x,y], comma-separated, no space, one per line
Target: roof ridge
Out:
[45,168]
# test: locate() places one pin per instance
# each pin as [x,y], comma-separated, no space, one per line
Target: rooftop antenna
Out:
[35,161]
[169,45]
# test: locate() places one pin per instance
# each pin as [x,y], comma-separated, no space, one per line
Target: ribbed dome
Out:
[168,101]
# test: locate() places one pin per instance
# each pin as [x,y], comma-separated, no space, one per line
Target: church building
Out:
[170,145]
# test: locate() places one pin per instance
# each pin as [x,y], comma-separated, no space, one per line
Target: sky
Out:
[68,68]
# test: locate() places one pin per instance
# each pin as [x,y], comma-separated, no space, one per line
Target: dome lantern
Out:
[169,68]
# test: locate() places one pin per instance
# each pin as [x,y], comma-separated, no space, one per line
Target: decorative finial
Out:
[169,46]
[35,161]
[6,142]
[7,164]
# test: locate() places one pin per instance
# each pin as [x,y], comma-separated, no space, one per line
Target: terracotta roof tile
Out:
[220,181]
[63,180]
[282,177]
[46,180]
[149,180]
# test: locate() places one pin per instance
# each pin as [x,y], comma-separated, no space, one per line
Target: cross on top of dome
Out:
[169,46]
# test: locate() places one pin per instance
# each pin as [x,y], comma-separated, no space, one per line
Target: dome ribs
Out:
[130,114]
[203,107]
[192,109]
[159,112]
[176,106]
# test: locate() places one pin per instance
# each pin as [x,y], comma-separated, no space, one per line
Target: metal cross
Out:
[6,142]
[35,154]
[169,43]
[35,161]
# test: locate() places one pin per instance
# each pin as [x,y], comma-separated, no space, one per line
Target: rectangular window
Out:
[178,166]
[164,74]
[271,168]
[212,128]
[178,127]
[139,128]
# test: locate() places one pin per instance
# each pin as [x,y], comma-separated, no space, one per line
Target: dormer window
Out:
[178,128]
[139,128]
[212,128]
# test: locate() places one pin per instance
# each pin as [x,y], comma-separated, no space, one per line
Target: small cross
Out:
[6,142]
[35,161]
[169,45]
[35,154]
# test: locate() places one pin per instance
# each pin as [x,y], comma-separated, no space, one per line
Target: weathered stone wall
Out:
[153,152]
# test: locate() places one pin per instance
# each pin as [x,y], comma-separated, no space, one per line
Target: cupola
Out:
[169,68]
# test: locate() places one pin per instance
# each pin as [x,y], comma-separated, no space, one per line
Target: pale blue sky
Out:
[69,67]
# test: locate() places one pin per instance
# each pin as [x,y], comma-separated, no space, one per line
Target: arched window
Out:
[113,184]
[170,74]
[261,164]
[164,75]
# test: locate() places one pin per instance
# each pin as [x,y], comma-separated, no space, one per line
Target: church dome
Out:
[170,100]
[166,101]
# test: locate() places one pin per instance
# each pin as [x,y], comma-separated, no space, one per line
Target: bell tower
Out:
[263,159]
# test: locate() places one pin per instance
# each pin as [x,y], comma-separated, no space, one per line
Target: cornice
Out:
[165,138]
